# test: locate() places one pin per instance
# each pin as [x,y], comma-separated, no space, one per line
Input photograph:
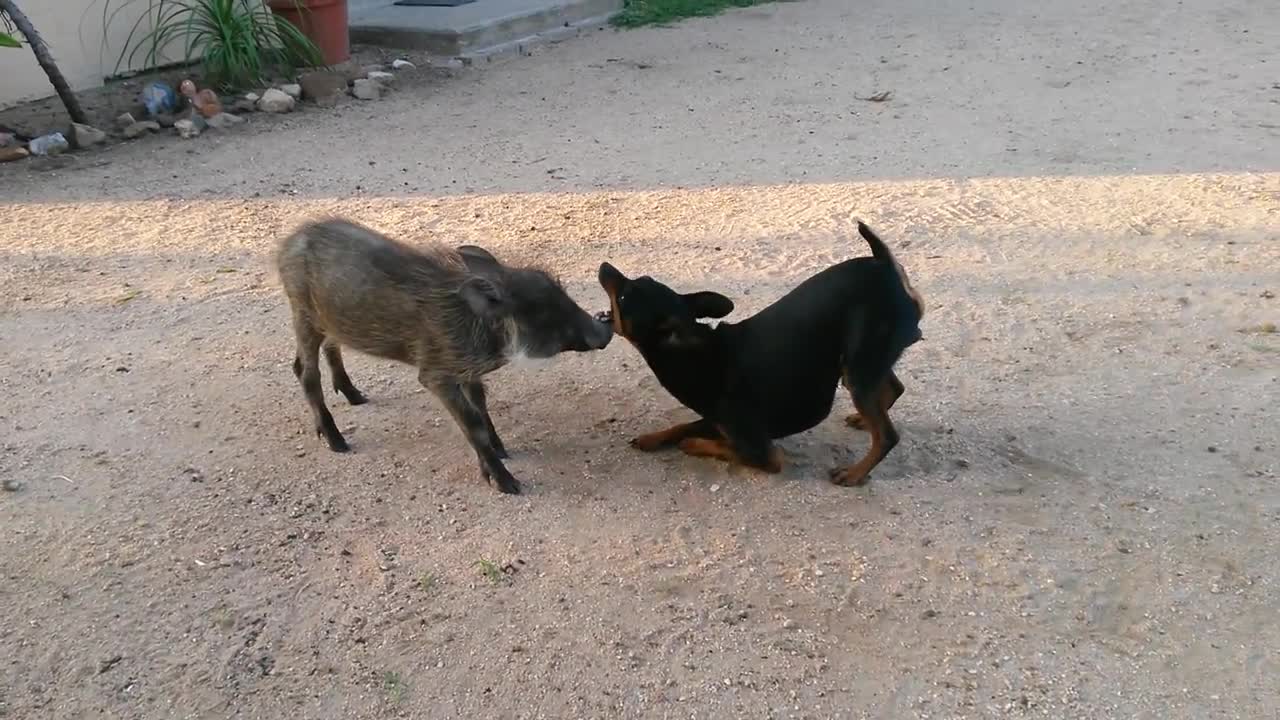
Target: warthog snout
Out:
[546,320]
[596,334]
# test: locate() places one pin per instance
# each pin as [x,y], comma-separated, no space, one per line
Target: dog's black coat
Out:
[775,374]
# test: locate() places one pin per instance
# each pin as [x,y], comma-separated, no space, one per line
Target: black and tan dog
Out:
[775,374]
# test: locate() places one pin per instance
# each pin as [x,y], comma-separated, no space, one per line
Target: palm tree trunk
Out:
[20,20]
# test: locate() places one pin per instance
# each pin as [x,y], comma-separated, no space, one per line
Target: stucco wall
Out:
[74,31]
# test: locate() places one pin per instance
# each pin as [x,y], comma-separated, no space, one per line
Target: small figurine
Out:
[205,101]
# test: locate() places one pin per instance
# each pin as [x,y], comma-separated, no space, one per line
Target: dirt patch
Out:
[1080,520]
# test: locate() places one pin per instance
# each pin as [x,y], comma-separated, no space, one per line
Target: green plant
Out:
[237,42]
[426,581]
[491,570]
[656,12]
[8,35]
[1267,328]
[394,687]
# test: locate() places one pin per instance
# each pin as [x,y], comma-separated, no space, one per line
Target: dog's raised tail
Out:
[881,252]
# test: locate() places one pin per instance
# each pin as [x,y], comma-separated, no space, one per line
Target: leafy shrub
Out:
[237,42]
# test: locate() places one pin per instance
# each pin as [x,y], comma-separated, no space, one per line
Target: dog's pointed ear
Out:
[707,304]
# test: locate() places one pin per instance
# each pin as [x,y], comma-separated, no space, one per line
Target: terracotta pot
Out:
[323,21]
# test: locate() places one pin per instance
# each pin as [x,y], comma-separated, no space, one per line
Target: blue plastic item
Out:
[159,98]
[51,144]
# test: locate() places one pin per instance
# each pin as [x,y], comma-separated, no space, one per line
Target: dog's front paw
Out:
[849,476]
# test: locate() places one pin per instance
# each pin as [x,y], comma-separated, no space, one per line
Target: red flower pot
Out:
[323,21]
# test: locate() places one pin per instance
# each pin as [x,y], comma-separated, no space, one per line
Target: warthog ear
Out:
[478,259]
[482,296]
[708,304]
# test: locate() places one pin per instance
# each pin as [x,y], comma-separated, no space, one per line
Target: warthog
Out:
[455,314]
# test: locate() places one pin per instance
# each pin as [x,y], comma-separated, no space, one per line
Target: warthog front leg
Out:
[472,422]
[475,393]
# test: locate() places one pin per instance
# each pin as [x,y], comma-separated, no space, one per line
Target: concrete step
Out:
[476,29]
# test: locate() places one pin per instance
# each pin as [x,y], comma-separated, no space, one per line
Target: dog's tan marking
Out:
[890,390]
[720,450]
[664,438]
[915,296]
[620,325]
[884,437]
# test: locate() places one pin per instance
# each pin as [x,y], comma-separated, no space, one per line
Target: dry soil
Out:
[1081,521]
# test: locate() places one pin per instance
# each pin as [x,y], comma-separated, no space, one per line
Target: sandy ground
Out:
[1081,521]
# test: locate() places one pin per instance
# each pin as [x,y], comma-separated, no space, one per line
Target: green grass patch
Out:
[491,570]
[636,13]
[393,685]
[1268,328]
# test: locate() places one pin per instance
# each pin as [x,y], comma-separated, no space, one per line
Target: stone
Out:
[51,144]
[244,105]
[371,68]
[323,87]
[124,120]
[9,154]
[11,485]
[276,101]
[7,139]
[293,90]
[223,121]
[366,89]
[384,79]
[141,128]
[187,128]
[400,64]
[350,71]
[252,97]
[84,136]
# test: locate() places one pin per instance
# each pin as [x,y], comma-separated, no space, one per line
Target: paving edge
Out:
[523,46]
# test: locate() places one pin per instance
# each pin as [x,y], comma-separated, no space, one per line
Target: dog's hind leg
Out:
[890,391]
[872,402]
[672,436]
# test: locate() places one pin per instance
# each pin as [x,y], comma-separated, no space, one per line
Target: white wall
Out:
[73,29]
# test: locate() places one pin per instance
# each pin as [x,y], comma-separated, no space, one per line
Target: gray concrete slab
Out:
[357,7]
[473,29]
